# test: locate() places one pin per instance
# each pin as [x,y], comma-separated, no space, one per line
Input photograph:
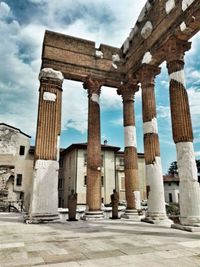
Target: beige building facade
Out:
[73,173]
[16,165]
[16,170]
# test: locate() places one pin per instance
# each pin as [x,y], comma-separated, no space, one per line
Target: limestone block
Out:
[51,73]
[147,30]
[45,188]
[130,136]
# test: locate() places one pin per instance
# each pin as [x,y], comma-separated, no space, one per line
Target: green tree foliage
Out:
[173,169]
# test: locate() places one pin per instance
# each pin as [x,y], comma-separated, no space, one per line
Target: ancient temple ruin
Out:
[161,33]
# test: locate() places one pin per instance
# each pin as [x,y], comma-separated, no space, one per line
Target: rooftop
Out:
[14,128]
[170,178]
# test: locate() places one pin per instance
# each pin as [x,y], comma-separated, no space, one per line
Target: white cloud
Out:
[197,154]
[117,122]
[4,10]
[21,47]
[110,99]
[74,106]
[163,112]
[194,100]
[20,51]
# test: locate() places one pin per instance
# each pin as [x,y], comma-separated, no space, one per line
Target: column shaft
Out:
[93,193]
[48,125]
[156,201]
[130,151]
[183,135]
[44,199]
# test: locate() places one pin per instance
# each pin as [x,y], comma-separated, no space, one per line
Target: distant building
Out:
[16,170]
[171,187]
[73,173]
[16,165]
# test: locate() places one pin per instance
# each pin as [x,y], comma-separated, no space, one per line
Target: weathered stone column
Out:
[44,200]
[183,134]
[156,201]
[93,194]
[127,91]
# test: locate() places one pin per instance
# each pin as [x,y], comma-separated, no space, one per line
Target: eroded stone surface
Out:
[45,192]
[130,136]
[51,73]
[150,126]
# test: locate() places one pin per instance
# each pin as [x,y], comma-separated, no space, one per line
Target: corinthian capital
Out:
[93,85]
[128,89]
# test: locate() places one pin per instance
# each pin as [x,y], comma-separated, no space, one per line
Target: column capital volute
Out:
[128,89]
[147,73]
[93,85]
[175,49]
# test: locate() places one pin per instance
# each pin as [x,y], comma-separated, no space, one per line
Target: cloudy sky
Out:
[22,27]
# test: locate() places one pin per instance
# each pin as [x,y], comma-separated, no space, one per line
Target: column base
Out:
[41,218]
[93,215]
[72,220]
[187,228]
[131,215]
[114,218]
[157,218]
[190,221]
[44,200]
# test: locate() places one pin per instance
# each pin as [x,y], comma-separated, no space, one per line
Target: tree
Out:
[173,169]
[198,165]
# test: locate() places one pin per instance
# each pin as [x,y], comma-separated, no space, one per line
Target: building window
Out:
[121,162]
[102,160]
[102,181]
[70,162]
[85,180]
[170,198]
[59,202]
[19,180]
[60,183]
[61,162]
[85,159]
[22,150]
[122,183]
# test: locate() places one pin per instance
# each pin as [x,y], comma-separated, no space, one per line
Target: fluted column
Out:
[156,202]
[44,200]
[127,91]
[93,193]
[182,134]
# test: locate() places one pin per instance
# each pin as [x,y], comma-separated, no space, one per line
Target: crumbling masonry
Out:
[161,34]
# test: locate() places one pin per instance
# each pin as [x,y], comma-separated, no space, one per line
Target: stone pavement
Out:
[92,244]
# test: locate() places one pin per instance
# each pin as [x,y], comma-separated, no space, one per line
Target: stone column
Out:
[44,200]
[156,200]
[183,134]
[127,91]
[93,193]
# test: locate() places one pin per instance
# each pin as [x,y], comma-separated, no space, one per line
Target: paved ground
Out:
[106,243]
